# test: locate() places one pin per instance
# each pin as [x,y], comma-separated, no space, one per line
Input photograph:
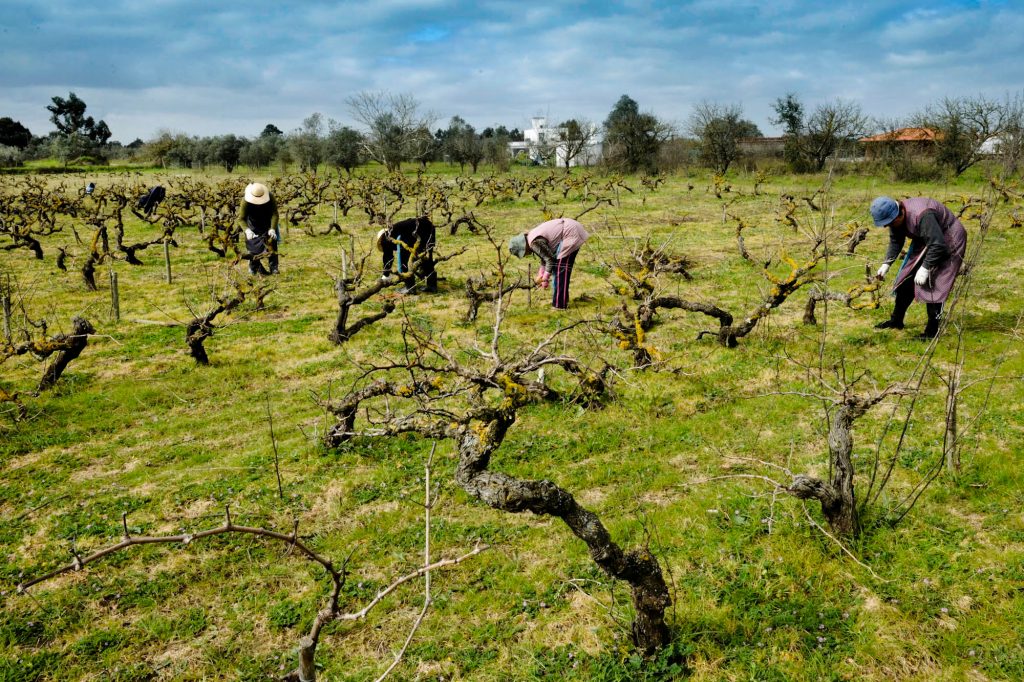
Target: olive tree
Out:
[343,146]
[633,137]
[307,143]
[462,144]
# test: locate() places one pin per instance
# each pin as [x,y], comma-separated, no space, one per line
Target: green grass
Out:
[134,426]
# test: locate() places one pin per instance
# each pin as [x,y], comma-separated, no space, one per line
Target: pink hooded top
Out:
[564,235]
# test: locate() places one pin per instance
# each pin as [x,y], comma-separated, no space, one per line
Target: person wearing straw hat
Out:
[938,242]
[259,216]
[556,242]
[412,240]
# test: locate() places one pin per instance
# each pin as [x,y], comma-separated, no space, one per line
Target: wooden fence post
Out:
[115,298]
[5,299]
[529,288]
[167,259]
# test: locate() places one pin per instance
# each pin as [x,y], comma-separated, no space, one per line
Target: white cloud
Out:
[210,68]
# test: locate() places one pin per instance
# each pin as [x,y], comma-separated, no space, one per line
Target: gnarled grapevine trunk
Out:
[638,567]
[342,330]
[838,498]
[71,346]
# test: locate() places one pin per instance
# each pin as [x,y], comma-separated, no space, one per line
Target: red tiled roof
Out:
[905,135]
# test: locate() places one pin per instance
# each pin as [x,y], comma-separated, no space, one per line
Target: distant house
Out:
[761,146]
[915,141]
[992,146]
[542,144]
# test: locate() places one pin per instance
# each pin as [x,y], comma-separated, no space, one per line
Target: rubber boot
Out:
[931,330]
[904,297]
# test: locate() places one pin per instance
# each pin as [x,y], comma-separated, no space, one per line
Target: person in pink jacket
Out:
[938,242]
[556,242]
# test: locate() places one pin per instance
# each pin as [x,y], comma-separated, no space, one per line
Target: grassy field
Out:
[671,459]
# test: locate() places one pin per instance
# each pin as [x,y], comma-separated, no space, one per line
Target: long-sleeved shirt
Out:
[561,237]
[260,218]
[543,250]
[413,233]
[929,236]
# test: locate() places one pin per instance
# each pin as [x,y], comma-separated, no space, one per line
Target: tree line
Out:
[395,129]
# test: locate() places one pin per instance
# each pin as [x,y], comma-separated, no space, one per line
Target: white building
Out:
[543,144]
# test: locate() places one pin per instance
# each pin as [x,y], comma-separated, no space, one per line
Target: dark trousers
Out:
[905,296]
[262,248]
[560,281]
[412,233]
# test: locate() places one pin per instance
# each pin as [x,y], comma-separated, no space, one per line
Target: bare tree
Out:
[394,125]
[201,327]
[576,136]
[718,129]
[964,125]
[63,347]
[1010,143]
[833,127]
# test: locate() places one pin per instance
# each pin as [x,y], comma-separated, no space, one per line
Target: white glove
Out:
[272,234]
[921,278]
[882,270]
[249,234]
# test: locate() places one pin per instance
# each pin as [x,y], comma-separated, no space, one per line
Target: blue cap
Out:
[884,210]
[517,245]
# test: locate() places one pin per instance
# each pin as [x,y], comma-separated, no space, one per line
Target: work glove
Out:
[249,234]
[272,234]
[882,270]
[921,278]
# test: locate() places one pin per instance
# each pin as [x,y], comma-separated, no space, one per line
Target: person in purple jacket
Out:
[556,242]
[938,242]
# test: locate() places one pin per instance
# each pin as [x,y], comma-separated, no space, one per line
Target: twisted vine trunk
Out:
[727,333]
[500,491]
[201,328]
[342,331]
[196,333]
[71,346]
[838,498]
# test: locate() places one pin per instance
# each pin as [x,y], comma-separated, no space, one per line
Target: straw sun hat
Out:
[257,193]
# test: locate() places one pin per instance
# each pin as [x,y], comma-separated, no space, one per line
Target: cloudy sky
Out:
[208,67]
